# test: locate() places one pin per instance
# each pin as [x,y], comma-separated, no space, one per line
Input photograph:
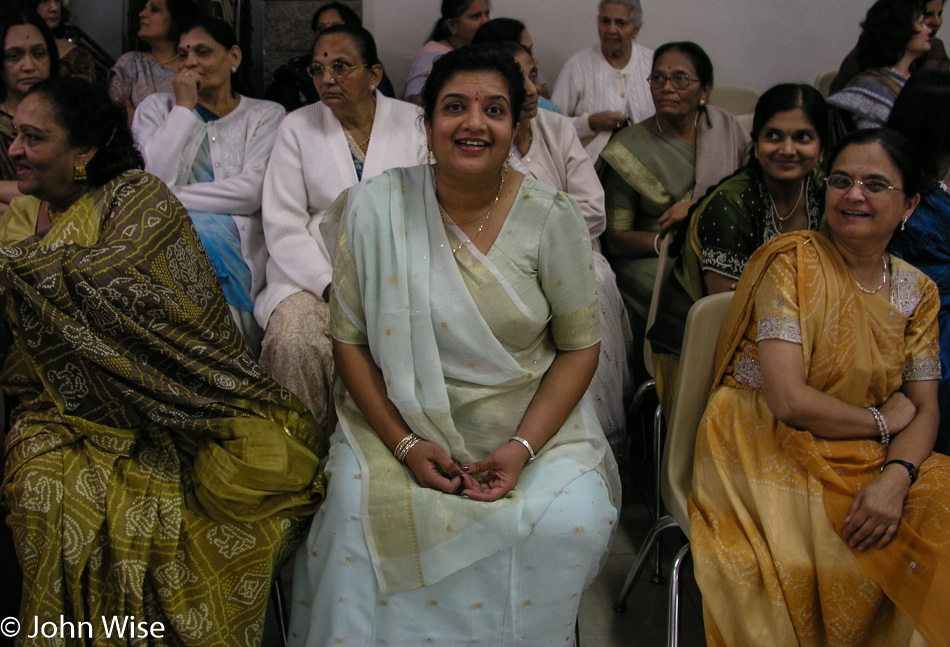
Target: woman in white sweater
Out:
[604,87]
[353,133]
[211,146]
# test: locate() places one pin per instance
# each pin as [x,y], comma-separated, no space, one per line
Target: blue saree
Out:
[925,243]
[219,233]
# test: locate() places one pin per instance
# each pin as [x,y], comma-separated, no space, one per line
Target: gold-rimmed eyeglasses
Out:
[679,80]
[338,69]
[840,183]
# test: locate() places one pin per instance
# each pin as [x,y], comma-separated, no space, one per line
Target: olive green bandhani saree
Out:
[152,468]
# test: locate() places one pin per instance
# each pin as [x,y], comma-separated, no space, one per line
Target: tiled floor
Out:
[644,623]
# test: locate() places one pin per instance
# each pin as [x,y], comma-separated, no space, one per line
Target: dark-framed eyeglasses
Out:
[841,183]
[679,80]
[338,69]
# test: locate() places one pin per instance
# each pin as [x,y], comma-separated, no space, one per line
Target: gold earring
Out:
[79,173]
[903,223]
[702,103]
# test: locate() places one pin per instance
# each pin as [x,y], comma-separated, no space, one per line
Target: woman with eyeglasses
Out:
[652,171]
[780,189]
[819,514]
[352,133]
[210,145]
[29,56]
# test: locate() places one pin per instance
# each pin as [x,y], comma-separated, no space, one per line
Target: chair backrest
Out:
[697,369]
[823,82]
[737,99]
[663,268]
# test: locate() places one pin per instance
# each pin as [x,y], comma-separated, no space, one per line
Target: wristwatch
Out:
[908,466]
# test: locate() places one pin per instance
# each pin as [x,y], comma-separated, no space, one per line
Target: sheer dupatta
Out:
[399,290]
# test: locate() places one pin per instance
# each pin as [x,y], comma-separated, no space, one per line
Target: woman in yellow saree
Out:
[152,470]
[819,514]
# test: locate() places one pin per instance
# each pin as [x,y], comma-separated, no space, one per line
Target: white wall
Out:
[757,43]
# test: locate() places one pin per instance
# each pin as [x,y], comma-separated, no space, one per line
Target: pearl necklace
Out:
[446,221]
[779,220]
[883,279]
[362,143]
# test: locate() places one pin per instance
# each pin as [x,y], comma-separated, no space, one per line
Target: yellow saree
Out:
[152,468]
[769,501]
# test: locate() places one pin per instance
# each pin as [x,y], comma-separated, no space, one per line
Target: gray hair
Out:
[636,11]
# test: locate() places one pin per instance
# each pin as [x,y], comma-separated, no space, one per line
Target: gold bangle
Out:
[656,244]
[407,443]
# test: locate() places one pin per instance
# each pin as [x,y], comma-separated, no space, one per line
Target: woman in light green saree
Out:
[152,468]
[465,326]
[652,170]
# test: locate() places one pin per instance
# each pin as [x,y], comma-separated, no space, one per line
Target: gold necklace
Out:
[173,58]
[781,220]
[883,279]
[446,221]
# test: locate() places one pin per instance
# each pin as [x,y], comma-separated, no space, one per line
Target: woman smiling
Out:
[777,191]
[211,146]
[819,514]
[465,330]
[152,468]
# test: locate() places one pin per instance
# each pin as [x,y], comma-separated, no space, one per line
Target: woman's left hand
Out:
[503,465]
[876,511]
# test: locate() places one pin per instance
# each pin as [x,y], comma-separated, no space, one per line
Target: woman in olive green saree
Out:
[152,468]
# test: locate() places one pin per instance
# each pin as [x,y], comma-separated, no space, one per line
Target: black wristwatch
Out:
[909,466]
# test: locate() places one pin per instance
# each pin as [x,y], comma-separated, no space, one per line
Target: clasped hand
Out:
[876,511]
[433,468]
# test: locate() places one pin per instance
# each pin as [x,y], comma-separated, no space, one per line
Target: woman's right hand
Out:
[433,468]
[898,412]
[185,87]
[608,120]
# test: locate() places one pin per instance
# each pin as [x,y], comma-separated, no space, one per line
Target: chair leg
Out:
[658,501]
[279,610]
[673,629]
[637,404]
[644,553]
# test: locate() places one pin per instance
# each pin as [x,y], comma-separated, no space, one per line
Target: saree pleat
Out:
[152,469]
[769,501]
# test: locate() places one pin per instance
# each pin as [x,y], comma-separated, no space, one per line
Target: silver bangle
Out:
[881,425]
[656,244]
[526,444]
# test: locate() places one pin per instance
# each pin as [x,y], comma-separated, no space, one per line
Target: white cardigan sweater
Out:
[169,137]
[588,84]
[310,166]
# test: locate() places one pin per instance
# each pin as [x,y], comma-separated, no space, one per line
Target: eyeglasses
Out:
[338,69]
[679,80]
[840,183]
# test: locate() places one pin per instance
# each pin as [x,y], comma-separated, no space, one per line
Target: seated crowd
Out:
[233,330]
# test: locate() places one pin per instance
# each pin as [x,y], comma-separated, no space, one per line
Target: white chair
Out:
[823,82]
[697,368]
